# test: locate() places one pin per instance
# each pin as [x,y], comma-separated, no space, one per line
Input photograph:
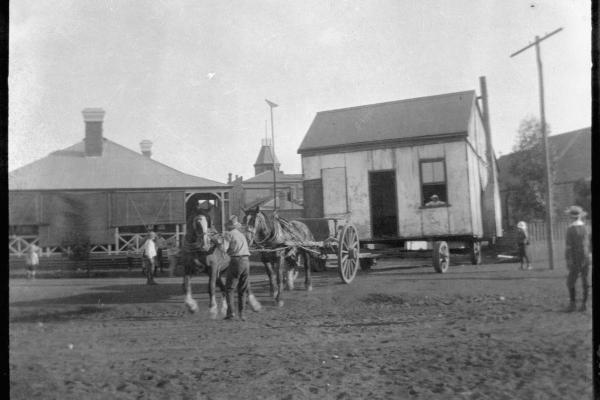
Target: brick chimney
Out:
[93,118]
[146,147]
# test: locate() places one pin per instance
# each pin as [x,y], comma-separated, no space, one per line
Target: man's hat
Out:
[435,197]
[233,223]
[575,211]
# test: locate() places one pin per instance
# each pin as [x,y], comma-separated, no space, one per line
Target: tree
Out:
[583,195]
[529,167]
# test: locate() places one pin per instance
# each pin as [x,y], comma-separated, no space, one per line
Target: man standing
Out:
[577,254]
[238,273]
[149,257]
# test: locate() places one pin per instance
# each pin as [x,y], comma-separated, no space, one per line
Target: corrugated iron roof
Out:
[117,168]
[267,177]
[403,119]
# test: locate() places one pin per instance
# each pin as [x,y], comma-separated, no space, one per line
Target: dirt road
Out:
[486,332]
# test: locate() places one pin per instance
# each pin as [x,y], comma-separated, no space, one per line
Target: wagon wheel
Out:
[476,253]
[348,253]
[441,256]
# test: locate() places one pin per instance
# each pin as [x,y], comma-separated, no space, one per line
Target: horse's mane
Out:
[278,230]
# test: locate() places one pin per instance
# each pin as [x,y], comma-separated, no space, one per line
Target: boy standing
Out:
[522,243]
[32,260]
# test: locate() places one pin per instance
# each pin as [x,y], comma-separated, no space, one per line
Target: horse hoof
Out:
[213,313]
[224,309]
[280,303]
[309,288]
[191,305]
[254,304]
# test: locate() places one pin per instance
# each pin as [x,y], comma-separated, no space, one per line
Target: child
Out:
[129,257]
[172,253]
[32,260]
[522,243]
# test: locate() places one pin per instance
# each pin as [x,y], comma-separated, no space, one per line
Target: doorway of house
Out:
[384,209]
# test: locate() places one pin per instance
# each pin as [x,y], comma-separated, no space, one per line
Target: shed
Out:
[379,165]
[104,192]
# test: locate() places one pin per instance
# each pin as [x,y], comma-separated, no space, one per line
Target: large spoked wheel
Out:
[348,253]
[476,253]
[441,257]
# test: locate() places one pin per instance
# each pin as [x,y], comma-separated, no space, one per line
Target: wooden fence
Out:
[538,249]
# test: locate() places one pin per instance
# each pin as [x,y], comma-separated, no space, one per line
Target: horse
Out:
[202,247]
[277,237]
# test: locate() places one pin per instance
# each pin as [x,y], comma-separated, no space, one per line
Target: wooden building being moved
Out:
[105,193]
[379,165]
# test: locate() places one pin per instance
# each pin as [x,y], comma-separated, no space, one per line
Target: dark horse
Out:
[201,249]
[279,241]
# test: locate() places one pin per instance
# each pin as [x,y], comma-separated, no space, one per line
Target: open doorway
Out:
[208,202]
[384,209]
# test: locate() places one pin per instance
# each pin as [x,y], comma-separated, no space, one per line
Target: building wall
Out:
[245,194]
[413,220]
[63,216]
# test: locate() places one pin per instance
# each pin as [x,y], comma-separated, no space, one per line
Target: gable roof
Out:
[117,168]
[403,119]
[267,177]
[571,155]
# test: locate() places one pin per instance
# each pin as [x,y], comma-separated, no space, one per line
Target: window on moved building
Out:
[433,182]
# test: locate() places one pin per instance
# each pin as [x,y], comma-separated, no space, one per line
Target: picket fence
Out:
[538,249]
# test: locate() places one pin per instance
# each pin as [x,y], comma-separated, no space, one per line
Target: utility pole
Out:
[272,106]
[549,206]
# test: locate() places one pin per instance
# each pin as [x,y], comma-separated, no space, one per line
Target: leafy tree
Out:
[529,167]
[583,195]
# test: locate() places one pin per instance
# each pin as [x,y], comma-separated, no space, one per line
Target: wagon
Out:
[336,239]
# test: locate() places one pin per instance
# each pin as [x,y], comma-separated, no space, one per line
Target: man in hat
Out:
[577,254]
[238,272]
[149,257]
[435,201]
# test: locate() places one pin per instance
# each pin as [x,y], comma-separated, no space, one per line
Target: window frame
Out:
[422,184]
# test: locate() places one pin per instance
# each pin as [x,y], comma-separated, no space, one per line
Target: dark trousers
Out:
[237,278]
[576,270]
[159,259]
[523,255]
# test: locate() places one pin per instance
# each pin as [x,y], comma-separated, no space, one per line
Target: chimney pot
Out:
[229,178]
[93,118]
[146,147]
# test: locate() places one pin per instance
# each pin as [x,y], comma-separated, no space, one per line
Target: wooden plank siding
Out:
[461,217]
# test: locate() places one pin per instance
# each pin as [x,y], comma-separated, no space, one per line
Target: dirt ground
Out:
[400,331]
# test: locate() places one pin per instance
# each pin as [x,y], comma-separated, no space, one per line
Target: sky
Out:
[192,76]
